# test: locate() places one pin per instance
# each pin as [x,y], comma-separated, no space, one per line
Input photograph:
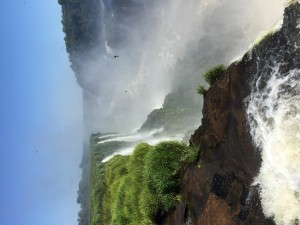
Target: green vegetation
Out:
[80,20]
[97,153]
[191,155]
[201,90]
[262,36]
[161,176]
[179,112]
[96,182]
[213,74]
[139,189]
[84,188]
[171,119]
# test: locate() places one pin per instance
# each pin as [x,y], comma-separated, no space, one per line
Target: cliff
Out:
[218,188]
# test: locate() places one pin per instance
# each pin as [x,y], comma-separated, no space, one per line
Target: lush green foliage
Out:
[201,90]
[213,74]
[160,174]
[80,20]
[97,153]
[114,192]
[140,188]
[191,155]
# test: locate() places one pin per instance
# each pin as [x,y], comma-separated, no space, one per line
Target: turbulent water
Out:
[274,117]
[276,129]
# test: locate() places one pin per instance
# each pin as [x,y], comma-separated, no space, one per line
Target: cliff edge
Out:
[218,189]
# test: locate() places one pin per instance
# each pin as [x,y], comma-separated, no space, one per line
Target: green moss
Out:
[213,74]
[262,36]
[172,120]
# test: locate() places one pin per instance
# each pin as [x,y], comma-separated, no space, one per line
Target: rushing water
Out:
[273,114]
[274,117]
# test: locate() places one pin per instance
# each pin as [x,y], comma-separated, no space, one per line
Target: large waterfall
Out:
[144,40]
[273,111]
[276,130]
[151,48]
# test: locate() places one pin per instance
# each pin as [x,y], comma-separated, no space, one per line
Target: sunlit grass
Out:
[140,188]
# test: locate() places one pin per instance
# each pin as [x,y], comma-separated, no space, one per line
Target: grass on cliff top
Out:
[211,76]
[201,90]
[140,189]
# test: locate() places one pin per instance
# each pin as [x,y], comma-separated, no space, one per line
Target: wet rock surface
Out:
[218,188]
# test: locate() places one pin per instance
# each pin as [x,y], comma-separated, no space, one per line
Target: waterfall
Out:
[149,38]
[273,115]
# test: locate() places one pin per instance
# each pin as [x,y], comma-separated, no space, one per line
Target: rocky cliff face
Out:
[218,190]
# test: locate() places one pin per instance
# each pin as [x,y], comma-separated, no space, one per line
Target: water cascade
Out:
[273,113]
[142,43]
[276,130]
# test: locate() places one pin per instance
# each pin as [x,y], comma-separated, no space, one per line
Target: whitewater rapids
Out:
[273,113]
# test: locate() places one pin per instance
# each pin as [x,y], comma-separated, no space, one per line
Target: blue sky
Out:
[40,118]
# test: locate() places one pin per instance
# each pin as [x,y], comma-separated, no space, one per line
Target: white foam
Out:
[274,118]
[129,138]
[132,137]
[107,136]
[149,139]
[124,151]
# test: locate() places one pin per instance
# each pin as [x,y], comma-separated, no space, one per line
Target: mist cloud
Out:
[148,38]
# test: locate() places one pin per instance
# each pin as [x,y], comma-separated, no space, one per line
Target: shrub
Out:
[201,90]
[213,74]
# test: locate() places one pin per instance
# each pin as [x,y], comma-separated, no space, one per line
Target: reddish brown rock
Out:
[217,190]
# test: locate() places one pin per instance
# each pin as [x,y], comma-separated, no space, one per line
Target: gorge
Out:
[244,155]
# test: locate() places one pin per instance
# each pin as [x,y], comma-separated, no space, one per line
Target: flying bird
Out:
[116,56]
